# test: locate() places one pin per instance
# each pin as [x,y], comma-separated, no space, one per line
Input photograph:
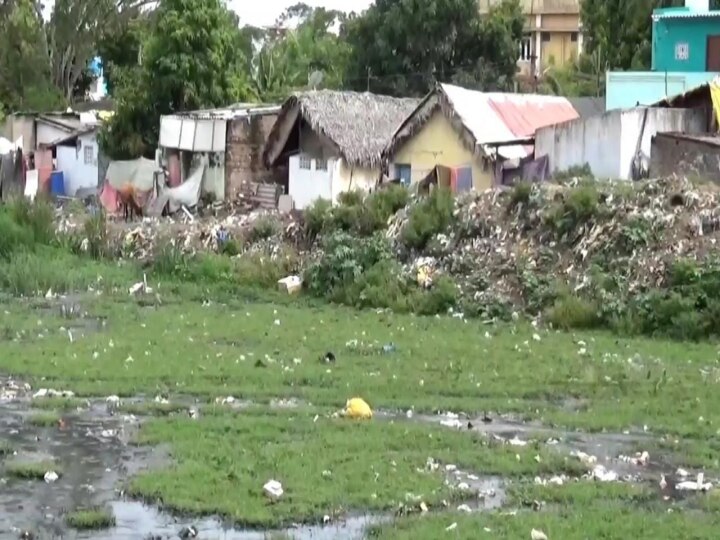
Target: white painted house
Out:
[331,142]
[77,157]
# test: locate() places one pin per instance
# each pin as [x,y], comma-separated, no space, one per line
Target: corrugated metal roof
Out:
[237,110]
[496,116]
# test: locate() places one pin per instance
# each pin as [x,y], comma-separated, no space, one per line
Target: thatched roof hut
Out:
[358,125]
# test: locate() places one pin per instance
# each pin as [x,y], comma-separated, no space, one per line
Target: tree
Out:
[310,55]
[189,61]
[26,81]
[622,29]
[402,47]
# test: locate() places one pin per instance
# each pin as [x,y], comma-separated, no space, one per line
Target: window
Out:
[526,47]
[682,51]
[545,36]
[573,37]
[305,162]
[321,164]
[403,171]
[89,154]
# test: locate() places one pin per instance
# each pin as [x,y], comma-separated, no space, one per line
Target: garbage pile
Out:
[190,234]
[505,242]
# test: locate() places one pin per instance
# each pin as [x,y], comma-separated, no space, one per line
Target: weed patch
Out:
[44,419]
[431,216]
[30,471]
[90,519]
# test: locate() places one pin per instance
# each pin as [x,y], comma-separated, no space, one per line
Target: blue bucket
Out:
[57,183]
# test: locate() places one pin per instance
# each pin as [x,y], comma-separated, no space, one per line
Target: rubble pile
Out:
[506,244]
[190,234]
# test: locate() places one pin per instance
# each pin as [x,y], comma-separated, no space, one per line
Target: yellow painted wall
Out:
[347,177]
[437,143]
[559,50]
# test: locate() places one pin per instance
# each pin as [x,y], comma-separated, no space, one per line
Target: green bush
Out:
[263,228]
[520,195]
[38,216]
[344,258]
[570,311]
[317,215]
[442,296]
[13,236]
[351,198]
[580,205]
[95,231]
[385,202]
[431,216]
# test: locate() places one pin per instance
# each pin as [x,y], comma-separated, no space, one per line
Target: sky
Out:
[264,12]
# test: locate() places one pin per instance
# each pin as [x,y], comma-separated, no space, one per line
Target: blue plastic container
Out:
[57,183]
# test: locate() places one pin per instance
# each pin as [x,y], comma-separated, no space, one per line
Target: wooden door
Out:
[713,53]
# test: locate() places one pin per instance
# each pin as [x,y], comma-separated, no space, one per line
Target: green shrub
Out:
[263,228]
[429,217]
[520,195]
[13,236]
[344,258]
[580,205]
[442,296]
[95,232]
[317,216]
[38,216]
[570,311]
[385,202]
[351,198]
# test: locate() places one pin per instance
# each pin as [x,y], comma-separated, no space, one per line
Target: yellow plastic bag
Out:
[358,408]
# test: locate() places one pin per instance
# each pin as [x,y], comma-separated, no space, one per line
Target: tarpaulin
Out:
[186,194]
[110,198]
[138,172]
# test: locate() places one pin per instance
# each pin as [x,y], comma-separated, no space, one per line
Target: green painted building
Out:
[686,39]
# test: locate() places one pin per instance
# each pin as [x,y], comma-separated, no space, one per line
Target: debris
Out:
[358,408]
[50,392]
[273,489]
[536,534]
[451,527]
[50,477]
[602,474]
[464,508]
[290,284]
[697,485]
[515,441]
[188,532]
[141,287]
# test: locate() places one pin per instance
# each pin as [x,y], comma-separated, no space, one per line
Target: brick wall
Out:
[243,160]
[685,157]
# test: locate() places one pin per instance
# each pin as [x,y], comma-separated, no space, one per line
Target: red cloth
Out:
[110,199]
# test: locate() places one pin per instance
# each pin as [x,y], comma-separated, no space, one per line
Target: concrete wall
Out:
[673,154]
[625,89]
[79,166]
[21,125]
[47,134]
[607,142]
[437,143]
[689,33]
[243,159]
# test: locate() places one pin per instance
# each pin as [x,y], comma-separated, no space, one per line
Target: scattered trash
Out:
[697,485]
[273,489]
[536,534]
[50,477]
[49,392]
[358,408]
[188,532]
[602,474]
[140,287]
[464,508]
[290,284]
[640,458]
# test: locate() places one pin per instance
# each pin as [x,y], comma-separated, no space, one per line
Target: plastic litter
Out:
[290,284]
[536,534]
[273,489]
[358,408]
[50,477]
